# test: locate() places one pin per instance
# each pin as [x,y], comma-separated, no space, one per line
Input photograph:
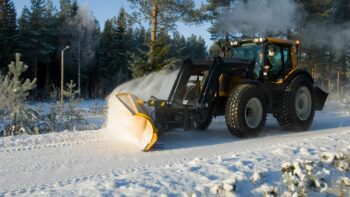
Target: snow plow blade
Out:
[140,123]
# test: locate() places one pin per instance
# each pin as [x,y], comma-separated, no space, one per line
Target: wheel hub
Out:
[253,112]
[303,103]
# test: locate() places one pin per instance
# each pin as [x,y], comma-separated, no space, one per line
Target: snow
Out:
[193,163]
[119,119]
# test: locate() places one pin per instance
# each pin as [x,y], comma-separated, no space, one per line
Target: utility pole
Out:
[62,72]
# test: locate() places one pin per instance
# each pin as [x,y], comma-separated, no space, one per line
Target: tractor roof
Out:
[281,41]
[278,41]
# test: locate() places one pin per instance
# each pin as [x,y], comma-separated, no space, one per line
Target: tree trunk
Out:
[154,25]
[79,45]
[36,66]
[36,74]
[79,87]
[48,76]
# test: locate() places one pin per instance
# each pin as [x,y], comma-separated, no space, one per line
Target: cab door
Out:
[279,61]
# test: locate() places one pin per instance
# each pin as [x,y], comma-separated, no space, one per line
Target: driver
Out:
[274,59]
[259,63]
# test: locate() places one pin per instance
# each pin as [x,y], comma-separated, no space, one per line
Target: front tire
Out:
[245,111]
[297,108]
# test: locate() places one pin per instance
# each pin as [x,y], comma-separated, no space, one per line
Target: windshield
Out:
[247,51]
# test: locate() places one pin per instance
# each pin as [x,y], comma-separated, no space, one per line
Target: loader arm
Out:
[175,113]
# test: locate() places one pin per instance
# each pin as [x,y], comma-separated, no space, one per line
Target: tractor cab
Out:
[274,58]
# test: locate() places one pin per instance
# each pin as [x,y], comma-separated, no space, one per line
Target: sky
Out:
[105,9]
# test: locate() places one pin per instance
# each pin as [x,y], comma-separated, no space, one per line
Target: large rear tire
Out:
[297,108]
[245,111]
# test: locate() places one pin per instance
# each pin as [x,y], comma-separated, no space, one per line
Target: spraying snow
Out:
[120,121]
[156,84]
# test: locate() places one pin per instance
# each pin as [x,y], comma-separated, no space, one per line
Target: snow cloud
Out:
[260,16]
[332,37]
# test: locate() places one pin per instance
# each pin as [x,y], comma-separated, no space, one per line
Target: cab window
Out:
[286,57]
[274,58]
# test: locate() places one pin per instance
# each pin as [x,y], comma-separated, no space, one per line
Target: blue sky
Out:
[104,9]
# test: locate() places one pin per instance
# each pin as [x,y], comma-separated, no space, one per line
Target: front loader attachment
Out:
[137,124]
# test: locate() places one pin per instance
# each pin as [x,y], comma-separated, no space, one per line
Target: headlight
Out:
[234,43]
[257,40]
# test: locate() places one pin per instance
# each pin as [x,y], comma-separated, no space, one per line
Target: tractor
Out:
[261,76]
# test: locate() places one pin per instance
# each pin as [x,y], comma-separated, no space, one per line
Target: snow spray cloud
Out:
[258,16]
[85,18]
[119,120]
[261,17]
[156,84]
[83,29]
[333,37]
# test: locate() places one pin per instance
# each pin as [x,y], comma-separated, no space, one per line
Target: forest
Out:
[146,39]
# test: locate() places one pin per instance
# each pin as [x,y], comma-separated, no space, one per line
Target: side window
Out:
[275,58]
[286,57]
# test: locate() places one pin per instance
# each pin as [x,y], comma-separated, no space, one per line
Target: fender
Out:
[268,93]
[293,73]
[320,95]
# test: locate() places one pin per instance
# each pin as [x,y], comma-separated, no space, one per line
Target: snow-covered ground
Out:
[93,111]
[93,163]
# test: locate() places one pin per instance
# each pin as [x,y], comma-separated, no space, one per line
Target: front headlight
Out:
[258,40]
[234,43]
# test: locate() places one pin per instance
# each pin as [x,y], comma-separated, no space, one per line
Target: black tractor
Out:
[261,77]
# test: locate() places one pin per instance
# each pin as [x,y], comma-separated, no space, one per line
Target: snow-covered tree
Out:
[14,93]
[67,115]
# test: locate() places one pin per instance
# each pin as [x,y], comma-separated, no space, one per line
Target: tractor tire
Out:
[191,95]
[297,108]
[245,111]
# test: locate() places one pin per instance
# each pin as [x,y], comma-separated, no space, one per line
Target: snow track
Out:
[93,163]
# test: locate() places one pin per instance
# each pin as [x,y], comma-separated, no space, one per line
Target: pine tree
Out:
[65,10]
[8,32]
[106,56]
[84,40]
[162,57]
[16,92]
[123,39]
[213,9]
[178,46]
[38,40]
[72,115]
[195,47]
[163,15]
[37,32]
[50,35]
[113,52]
[138,56]
[66,15]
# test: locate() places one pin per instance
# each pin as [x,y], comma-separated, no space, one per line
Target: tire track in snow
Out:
[223,151]
[52,140]
[96,159]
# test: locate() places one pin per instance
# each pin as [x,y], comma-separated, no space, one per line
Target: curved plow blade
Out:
[139,124]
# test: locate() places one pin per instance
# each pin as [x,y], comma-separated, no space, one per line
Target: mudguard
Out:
[320,97]
[140,123]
